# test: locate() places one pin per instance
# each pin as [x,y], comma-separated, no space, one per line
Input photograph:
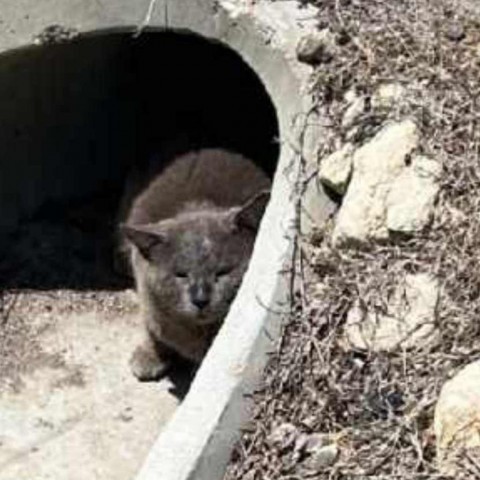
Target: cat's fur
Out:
[191,231]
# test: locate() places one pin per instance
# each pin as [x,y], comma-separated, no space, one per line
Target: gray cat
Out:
[191,231]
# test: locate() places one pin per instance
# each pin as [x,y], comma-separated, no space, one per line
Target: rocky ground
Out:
[377,374]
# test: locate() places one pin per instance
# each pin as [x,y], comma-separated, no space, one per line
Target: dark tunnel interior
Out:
[77,117]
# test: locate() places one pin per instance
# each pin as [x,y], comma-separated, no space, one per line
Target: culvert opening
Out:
[78,117]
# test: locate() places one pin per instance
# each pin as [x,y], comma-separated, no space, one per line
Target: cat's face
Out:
[195,262]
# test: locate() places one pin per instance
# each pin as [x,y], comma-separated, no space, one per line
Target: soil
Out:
[378,408]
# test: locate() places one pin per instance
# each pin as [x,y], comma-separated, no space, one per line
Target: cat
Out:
[190,233]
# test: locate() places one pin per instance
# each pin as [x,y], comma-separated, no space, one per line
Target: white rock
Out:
[350,95]
[283,436]
[408,323]
[316,441]
[376,165]
[315,451]
[387,95]
[336,169]
[321,458]
[411,199]
[317,208]
[356,107]
[251,475]
[457,416]
[455,217]
[316,47]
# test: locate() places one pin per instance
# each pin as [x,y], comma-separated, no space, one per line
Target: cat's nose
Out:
[201,303]
[200,296]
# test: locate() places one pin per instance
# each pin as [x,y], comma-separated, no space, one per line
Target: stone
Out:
[350,95]
[411,199]
[250,475]
[283,436]
[409,322]
[336,169]
[455,32]
[387,95]
[317,208]
[316,47]
[54,34]
[317,451]
[362,216]
[315,441]
[321,458]
[311,420]
[457,417]
[356,107]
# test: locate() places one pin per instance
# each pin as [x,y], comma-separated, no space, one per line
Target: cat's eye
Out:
[181,274]
[221,272]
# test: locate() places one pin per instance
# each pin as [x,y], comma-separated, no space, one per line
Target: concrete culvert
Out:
[77,118]
[89,91]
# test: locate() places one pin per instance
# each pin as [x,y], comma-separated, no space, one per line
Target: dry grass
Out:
[380,405]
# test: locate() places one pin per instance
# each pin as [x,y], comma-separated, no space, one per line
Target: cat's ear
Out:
[250,214]
[144,237]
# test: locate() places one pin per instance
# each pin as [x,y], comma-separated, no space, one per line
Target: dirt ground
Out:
[378,407]
[69,406]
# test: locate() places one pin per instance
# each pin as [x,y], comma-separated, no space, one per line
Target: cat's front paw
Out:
[146,365]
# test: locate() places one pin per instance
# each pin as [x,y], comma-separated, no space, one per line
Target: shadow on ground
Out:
[181,377]
[64,245]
